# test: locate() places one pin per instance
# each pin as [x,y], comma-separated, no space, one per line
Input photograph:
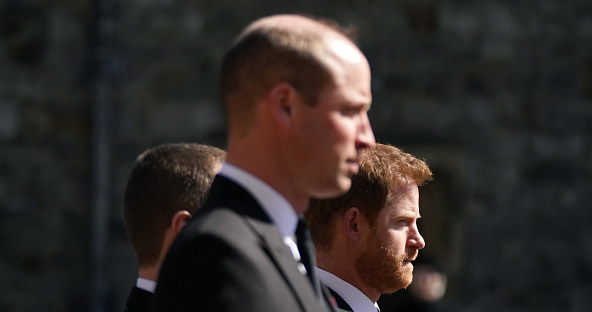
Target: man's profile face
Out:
[333,130]
[393,243]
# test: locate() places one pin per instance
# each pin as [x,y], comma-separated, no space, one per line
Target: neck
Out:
[266,167]
[150,273]
[342,265]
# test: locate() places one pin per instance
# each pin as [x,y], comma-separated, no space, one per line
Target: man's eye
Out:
[405,222]
[350,112]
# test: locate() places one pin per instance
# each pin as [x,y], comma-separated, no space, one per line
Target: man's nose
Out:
[416,240]
[365,136]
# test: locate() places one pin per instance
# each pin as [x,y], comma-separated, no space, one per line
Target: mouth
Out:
[408,262]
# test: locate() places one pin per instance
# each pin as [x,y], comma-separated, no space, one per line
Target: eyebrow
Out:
[408,215]
[357,105]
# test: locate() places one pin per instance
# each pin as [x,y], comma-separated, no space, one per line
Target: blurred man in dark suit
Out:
[296,92]
[166,186]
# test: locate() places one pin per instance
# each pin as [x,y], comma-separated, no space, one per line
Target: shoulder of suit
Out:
[224,223]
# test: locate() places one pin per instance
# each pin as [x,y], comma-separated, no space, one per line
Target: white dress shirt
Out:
[274,204]
[350,294]
[146,284]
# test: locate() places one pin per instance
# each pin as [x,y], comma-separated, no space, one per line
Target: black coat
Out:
[231,257]
[138,300]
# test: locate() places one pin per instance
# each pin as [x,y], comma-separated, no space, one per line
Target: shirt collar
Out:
[353,296]
[275,205]
[146,284]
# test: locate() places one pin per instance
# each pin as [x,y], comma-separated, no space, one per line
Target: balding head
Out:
[296,24]
[304,52]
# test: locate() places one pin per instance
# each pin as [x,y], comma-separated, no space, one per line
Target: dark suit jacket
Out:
[231,257]
[138,300]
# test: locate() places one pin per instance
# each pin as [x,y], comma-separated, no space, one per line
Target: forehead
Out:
[403,200]
[345,51]
[350,73]
[344,58]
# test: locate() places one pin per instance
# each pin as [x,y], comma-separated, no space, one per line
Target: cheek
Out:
[346,128]
[337,123]
[395,242]
[310,132]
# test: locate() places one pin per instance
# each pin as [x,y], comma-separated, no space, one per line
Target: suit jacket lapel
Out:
[280,254]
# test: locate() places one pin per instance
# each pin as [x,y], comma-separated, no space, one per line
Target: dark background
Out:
[495,95]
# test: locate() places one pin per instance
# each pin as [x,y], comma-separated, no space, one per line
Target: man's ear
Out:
[282,98]
[351,223]
[180,218]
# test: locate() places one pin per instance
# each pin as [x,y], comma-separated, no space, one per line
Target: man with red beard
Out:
[367,239]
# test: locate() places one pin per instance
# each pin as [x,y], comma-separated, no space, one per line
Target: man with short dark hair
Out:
[296,92]
[166,186]
[367,239]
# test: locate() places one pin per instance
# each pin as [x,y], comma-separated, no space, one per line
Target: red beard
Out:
[380,268]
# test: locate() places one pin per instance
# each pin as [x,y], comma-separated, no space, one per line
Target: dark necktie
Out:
[306,250]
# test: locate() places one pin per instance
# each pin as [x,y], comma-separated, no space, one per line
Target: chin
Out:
[338,188]
[407,282]
[344,184]
[396,285]
[407,277]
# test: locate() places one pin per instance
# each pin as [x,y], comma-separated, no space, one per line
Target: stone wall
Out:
[495,95]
